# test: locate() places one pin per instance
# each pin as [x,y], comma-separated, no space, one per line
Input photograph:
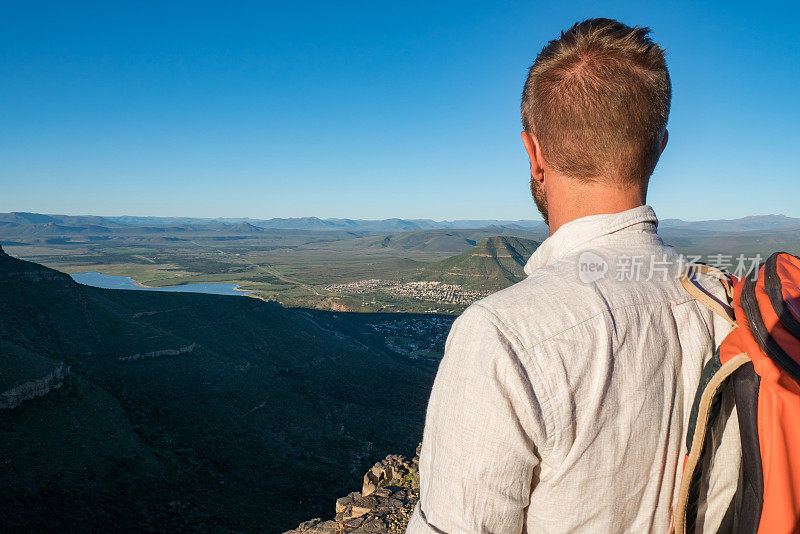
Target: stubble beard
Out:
[537,191]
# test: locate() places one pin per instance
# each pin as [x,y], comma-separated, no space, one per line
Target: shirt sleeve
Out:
[479,453]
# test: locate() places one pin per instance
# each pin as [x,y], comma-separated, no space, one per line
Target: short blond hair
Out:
[597,99]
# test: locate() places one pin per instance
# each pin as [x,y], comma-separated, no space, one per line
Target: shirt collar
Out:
[580,231]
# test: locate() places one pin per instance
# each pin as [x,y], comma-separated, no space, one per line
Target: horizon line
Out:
[358,219]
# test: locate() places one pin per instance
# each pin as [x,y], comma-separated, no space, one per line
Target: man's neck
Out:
[584,199]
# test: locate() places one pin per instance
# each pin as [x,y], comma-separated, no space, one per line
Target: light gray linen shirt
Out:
[561,403]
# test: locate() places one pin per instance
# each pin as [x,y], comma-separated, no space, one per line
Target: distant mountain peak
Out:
[774,222]
[491,264]
[507,246]
[247,227]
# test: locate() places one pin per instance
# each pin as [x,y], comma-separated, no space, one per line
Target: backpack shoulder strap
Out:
[707,392]
[707,300]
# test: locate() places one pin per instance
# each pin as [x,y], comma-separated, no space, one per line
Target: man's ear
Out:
[664,140]
[534,155]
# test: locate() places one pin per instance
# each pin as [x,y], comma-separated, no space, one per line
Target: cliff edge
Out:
[383,506]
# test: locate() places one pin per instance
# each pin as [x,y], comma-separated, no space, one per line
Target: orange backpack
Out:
[759,364]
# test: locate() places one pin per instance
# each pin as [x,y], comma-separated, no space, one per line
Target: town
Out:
[431,291]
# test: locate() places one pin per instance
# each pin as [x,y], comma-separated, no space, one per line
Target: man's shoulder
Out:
[572,290]
[550,299]
[540,284]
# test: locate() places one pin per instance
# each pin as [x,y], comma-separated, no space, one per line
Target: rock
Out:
[389,471]
[343,502]
[316,526]
[157,353]
[363,505]
[34,388]
[384,505]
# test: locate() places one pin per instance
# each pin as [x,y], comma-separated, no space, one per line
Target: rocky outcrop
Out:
[383,506]
[157,353]
[34,388]
[337,306]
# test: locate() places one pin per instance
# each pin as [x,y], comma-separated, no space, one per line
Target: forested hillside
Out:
[136,409]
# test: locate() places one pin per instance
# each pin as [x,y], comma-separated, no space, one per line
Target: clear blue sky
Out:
[365,110]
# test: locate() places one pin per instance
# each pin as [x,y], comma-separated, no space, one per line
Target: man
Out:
[561,402]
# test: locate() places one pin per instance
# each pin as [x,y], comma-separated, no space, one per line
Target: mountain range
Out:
[393,225]
[17,219]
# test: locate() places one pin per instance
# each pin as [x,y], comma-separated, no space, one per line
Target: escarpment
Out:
[34,388]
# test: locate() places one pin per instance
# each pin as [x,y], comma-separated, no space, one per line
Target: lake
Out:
[110,281]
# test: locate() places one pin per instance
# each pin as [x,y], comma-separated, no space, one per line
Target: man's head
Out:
[594,110]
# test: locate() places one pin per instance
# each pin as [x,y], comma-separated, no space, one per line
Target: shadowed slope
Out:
[191,411]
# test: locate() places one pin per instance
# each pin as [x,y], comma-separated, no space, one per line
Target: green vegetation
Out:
[294,261]
[494,264]
[288,260]
[411,480]
[264,417]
